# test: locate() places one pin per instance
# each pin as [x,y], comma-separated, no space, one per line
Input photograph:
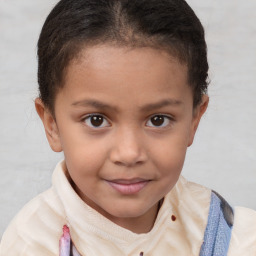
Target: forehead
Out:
[102,56]
[110,71]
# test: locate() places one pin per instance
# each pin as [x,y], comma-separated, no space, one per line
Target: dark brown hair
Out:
[163,24]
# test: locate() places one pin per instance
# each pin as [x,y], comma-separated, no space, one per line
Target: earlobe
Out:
[198,113]
[50,126]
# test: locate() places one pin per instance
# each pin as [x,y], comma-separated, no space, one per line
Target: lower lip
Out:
[128,189]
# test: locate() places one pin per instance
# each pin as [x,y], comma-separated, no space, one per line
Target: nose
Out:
[128,149]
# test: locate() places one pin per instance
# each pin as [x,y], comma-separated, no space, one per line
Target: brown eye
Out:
[159,121]
[96,121]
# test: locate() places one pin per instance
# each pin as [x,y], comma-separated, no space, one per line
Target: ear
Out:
[50,125]
[197,114]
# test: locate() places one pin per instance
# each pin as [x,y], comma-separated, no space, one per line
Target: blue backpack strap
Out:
[219,227]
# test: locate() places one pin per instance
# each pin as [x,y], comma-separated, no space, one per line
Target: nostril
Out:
[122,163]
[119,163]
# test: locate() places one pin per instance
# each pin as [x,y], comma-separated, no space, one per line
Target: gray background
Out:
[223,155]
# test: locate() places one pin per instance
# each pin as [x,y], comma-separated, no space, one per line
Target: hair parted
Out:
[169,25]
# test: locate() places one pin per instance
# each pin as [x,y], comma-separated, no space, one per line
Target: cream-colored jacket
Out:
[178,230]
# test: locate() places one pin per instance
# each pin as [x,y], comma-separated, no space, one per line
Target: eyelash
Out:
[167,118]
[89,117]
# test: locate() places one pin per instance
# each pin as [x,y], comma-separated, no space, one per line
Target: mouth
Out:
[128,187]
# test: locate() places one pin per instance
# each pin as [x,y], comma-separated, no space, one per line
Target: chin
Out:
[128,212]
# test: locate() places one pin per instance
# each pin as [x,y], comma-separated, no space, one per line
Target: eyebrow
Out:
[149,107]
[94,103]
[160,104]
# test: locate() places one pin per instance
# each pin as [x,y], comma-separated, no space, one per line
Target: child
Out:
[123,85]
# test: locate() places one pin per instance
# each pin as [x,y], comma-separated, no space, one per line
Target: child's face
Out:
[124,120]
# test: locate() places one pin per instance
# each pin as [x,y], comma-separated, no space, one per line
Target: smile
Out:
[128,187]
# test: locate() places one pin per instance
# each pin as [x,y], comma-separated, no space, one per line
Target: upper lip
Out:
[128,181]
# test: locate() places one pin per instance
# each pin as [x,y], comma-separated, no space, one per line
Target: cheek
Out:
[169,156]
[84,157]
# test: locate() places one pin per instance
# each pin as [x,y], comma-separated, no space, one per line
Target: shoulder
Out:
[241,220]
[201,201]
[243,237]
[36,228]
